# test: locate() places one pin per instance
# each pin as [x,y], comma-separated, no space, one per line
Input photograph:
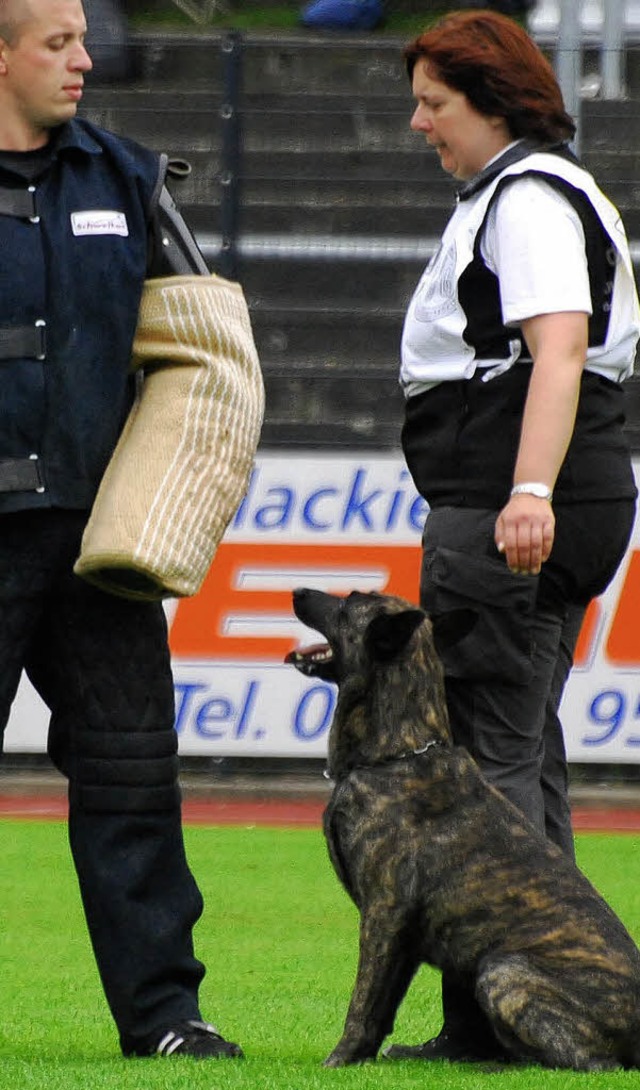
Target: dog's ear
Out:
[389,633]
[450,628]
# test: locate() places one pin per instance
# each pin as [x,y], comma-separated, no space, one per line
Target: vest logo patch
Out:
[436,294]
[99,222]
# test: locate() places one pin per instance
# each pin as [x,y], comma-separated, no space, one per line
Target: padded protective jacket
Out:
[72,267]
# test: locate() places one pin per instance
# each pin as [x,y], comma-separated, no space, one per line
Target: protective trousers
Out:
[101,664]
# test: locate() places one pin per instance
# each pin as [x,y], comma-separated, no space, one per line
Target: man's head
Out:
[42,66]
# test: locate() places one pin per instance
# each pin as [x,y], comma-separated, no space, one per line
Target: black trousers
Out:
[505,680]
[102,666]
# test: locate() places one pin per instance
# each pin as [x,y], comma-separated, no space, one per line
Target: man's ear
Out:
[450,628]
[389,633]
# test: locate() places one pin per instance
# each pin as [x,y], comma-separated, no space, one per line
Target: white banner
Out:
[341,522]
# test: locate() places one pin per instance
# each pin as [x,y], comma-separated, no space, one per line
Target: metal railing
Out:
[335,248]
[569,54]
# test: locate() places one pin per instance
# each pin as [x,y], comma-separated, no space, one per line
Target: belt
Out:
[24,342]
[21,475]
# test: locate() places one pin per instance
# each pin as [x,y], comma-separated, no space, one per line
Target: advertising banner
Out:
[340,522]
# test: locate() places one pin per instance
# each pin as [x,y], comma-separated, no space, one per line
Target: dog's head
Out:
[367,630]
[381,652]
[361,631]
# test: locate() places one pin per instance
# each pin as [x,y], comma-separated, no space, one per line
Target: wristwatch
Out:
[533,488]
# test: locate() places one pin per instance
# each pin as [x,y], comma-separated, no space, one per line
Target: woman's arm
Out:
[558,346]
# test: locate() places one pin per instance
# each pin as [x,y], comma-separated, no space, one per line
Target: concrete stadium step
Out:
[348,338]
[327,409]
[615,124]
[261,185]
[284,121]
[272,62]
[331,283]
[350,164]
[338,217]
[198,125]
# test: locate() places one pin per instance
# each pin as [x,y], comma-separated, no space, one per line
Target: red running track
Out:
[284,813]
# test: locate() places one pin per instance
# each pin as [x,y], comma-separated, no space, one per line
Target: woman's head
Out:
[492,61]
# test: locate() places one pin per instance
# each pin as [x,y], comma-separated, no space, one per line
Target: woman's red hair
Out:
[499,68]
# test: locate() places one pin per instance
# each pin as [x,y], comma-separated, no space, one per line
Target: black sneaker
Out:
[197,1039]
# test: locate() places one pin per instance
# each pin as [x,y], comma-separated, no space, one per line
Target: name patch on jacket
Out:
[99,223]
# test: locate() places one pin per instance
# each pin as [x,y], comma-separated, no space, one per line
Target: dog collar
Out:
[390,760]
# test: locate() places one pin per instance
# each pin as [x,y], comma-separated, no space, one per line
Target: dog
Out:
[443,869]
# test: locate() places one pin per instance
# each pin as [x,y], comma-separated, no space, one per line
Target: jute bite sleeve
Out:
[182,464]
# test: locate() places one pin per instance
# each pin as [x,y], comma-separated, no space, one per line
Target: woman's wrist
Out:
[533,488]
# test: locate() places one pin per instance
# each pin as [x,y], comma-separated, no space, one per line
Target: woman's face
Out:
[464,138]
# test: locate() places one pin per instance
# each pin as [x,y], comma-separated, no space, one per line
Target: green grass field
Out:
[279,937]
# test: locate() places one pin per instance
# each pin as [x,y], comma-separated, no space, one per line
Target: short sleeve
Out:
[534,242]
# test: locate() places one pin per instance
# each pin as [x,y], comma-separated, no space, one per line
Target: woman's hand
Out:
[525,530]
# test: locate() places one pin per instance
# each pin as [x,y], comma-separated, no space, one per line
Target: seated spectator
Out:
[342,14]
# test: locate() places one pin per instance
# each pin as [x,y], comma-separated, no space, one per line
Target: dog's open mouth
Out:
[314,661]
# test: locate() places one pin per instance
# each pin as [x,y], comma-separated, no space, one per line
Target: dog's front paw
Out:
[334,1060]
[344,1054]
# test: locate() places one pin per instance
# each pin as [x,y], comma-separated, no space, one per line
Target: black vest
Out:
[72,267]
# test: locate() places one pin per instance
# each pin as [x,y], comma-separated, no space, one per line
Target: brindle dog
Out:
[444,870]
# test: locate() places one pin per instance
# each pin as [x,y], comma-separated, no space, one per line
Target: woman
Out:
[515,345]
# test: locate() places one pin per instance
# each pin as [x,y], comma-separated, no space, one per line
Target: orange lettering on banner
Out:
[623,644]
[198,628]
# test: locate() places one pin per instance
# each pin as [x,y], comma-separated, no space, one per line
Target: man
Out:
[84,220]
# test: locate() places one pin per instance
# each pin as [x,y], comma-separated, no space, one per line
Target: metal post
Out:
[569,62]
[229,177]
[612,49]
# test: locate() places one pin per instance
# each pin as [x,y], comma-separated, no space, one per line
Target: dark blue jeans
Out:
[102,666]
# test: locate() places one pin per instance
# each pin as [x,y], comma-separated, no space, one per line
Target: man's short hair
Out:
[12,14]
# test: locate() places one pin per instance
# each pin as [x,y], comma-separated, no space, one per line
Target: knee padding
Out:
[124,771]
